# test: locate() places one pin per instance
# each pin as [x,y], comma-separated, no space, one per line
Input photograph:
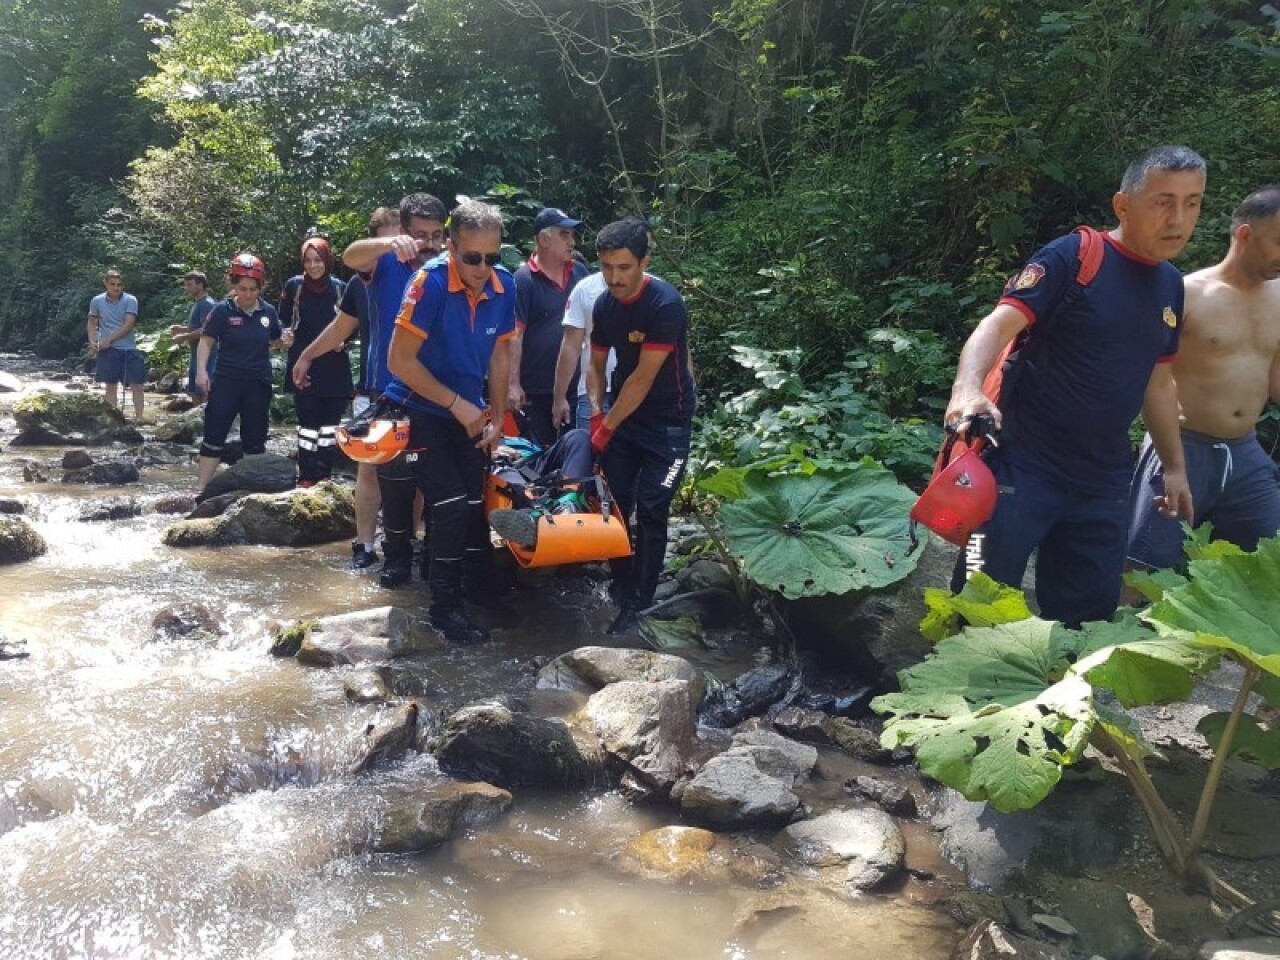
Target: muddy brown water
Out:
[187,799]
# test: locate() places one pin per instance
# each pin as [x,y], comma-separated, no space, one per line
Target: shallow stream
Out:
[192,799]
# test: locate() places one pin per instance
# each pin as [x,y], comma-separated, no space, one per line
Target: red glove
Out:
[597,420]
[601,434]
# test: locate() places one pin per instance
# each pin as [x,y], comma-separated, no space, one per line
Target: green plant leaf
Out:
[1232,602]
[997,712]
[1152,584]
[678,632]
[981,603]
[1268,688]
[805,536]
[1251,741]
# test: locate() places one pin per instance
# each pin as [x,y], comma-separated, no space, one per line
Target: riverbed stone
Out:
[19,541]
[1106,921]
[646,732]
[12,650]
[987,940]
[676,853]
[62,419]
[732,793]
[170,503]
[891,797]
[857,741]
[12,507]
[864,841]
[433,816]
[388,737]
[367,685]
[183,620]
[76,460]
[491,742]
[588,669]
[215,506]
[257,473]
[1255,948]
[298,518]
[749,695]
[811,726]
[104,512]
[181,429]
[776,755]
[112,473]
[361,636]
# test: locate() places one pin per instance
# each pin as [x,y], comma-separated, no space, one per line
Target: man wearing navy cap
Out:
[542,289]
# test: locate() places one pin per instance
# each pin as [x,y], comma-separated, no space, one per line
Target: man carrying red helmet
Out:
[245,329]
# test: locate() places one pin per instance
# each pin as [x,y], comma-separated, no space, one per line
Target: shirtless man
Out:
[1226,370]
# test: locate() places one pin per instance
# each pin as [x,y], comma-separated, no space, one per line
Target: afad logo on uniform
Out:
[1170,318]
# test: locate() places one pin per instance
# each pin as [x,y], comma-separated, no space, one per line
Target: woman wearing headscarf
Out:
[307,306]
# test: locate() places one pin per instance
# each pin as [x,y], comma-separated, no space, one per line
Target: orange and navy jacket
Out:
[457,328]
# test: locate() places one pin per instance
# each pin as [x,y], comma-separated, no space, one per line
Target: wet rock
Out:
[705,573]
[1257,948]
[985,843]
[750,694]
[19,541]
[13,649]
[112,510]
[646,732]
[731,793]
[112,474]
[889,796]
[1055,925]
[676,853]
[11,507]
[389,737]
[182,429]
[184,620]
[31,473]
[969,907]
[490,742]
[76,460]
[169,382]
[588,669]
[180,403]
[775,755]
[711,607]
[366,686]
[422,822]
[9,383]
[858,741]
[258,473]
[865,842]
[299,518]
[359,637]
[990,941]
[170,503]
[61,419]
[810,726]
[1106,921]
[215,506]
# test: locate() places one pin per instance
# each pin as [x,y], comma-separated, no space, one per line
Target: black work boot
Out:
[397,568]
[457,627]
[362,558]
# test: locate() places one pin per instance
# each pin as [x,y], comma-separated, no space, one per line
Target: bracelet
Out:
[453,401]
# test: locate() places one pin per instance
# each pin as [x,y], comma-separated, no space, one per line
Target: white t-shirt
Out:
[577,313]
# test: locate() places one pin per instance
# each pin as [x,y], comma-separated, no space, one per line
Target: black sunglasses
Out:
[472,258]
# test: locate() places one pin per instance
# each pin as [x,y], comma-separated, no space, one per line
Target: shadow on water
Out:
[192,798]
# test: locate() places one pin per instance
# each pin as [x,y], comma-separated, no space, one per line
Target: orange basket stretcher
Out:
[598,534]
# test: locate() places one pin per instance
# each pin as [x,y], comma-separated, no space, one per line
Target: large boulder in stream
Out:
[863,844]
[490,742]
[749,785]
[298,518]
[588,669]
[646,731]
[181,429]
[362,636]
[111,473]
[427,819]
[19,541]
[69,419]
[257,473]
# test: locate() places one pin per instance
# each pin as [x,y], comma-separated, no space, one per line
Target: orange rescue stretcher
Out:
[598,534]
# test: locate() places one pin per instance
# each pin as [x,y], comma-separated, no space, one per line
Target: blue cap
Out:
[554,217]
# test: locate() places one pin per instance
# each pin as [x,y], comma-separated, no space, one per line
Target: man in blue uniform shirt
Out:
[453,332]
[1065,459]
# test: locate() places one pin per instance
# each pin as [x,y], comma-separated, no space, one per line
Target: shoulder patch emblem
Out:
[265,321]
[414,293]
[636,336]
[1170,318]
[1032,274]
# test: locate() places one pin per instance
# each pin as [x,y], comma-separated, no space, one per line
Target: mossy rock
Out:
[288,641]
[202,532]
[19,541]
[70,418]
[298,518]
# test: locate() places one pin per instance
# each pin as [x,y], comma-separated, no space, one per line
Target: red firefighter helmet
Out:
[960,498]
[247,265]
[384,440]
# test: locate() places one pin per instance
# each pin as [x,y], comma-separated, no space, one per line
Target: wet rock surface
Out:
[60,419]
[511,749]
[258,473]
[646,732]
[437,814]
[19,541]
[361,636]
[110,473]
[732,793]
[865,843]
[320,514]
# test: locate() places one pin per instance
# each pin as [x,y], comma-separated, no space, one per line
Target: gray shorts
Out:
[1233,485]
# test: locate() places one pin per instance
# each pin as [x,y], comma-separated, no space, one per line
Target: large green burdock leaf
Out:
[997,712]
[982,603]
[830,532]
[1232,602]
[1250,741]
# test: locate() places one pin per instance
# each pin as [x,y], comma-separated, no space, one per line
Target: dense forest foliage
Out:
[838,186]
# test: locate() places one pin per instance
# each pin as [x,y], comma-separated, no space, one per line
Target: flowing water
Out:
[191,798]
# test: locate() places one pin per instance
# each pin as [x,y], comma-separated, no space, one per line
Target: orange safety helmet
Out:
[247,265]
[384,440]
[960,498]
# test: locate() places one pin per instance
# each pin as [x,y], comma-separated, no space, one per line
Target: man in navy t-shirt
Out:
[196,286]
[644,438]
[1100,353]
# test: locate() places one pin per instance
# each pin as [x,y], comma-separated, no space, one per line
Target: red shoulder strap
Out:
[1092,247]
